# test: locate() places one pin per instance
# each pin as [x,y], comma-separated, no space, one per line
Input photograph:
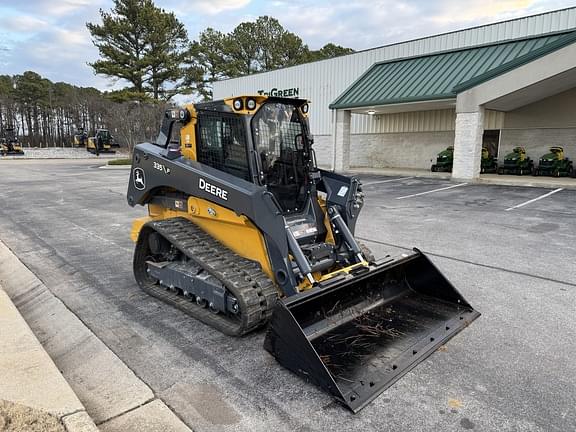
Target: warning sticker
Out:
[342,191]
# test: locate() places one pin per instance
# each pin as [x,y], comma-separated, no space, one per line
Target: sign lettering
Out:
[289,92]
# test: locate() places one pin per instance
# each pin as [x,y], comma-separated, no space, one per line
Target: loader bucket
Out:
[356,336]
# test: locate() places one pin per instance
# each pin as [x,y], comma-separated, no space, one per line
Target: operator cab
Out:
[280,137]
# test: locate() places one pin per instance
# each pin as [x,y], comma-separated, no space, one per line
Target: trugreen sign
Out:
[290,92]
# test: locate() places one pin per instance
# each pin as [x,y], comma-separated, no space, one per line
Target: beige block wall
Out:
[558,111]
[398,150]
[537,126]
[537,141]
[323,148]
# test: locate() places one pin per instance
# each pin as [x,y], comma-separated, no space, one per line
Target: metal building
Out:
[498,86]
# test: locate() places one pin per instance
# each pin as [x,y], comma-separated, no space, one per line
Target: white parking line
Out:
[535,199]
[386,181]
[432,191]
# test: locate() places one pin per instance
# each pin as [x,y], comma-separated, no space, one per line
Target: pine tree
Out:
[142,44]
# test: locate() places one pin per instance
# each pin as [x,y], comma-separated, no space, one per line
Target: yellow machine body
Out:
[234,231]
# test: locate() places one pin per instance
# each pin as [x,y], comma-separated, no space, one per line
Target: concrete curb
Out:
[116,167]
[490,179]
[108,389]
[30,377]
[63,153]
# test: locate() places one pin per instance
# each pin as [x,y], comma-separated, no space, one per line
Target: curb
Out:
[110,395]
[29,376]
[485,179]
[116,167]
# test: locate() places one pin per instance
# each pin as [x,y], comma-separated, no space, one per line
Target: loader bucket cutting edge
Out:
[357,337]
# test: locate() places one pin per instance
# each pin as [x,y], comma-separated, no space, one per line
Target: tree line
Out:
[47,114]
[148,49]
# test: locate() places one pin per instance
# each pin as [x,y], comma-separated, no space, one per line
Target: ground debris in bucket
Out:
[371,341]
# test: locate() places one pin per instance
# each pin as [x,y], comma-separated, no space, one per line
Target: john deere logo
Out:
[139,179]
[290,92]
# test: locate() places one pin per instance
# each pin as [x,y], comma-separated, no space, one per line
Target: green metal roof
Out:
[443,75]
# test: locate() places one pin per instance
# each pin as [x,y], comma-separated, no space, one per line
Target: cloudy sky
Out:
[50,36]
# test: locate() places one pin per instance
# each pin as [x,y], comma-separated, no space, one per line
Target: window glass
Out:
[278,133]
[222,143]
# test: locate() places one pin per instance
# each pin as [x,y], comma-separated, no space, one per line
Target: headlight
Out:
[251,104]
[305,108]
[238,104]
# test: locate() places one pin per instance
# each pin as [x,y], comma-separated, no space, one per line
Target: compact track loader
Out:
[9,145]
[80,138]
[101,142]
[245,231]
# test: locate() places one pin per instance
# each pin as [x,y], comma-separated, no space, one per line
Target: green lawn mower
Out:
[554,164]
[517,163]
[489,163]
[444,160]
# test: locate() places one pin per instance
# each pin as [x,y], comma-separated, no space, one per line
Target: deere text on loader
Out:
[244,231]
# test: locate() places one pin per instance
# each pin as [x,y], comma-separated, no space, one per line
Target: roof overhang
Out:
[430,105]
[543,77]
[427,82]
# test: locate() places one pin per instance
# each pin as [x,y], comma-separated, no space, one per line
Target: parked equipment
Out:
[444,160]
[517,162]
[80,138]
[488,164]
[244,230]
[101,142]
[9,145]
[554,164]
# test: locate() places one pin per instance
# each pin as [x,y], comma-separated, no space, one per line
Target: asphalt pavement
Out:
[509,250]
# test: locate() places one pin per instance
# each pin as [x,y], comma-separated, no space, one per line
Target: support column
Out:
[342,140]
[468,145]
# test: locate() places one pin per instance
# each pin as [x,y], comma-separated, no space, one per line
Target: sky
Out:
[50,36]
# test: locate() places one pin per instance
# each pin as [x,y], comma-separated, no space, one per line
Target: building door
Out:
[491,140]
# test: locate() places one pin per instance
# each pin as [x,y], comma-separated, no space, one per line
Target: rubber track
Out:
[255,292]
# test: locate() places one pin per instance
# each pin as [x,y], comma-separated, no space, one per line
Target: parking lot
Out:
[509,250]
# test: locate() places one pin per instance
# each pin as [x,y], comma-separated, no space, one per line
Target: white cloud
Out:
[50,36]
[22,23]
[211,7]
[457,11]
[60,7]
[217,6]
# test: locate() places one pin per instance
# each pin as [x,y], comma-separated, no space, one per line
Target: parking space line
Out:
[535,199]
[432,191]
[386,181]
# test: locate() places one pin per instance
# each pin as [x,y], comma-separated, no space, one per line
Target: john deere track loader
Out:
[80,138]
[244,231]
[9,145]
[101,142]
